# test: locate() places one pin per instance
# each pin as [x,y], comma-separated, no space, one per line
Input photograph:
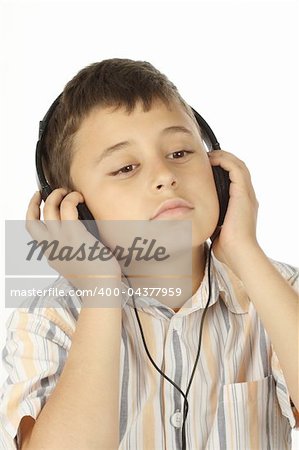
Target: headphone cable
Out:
[186,405]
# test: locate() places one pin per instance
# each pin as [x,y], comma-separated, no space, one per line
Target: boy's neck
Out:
[198,269]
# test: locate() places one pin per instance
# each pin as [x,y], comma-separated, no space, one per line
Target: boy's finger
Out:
[33,211]
[33,225]
[52,204]
[71,225]
[227,159]
[68,207]
[51,211]
[238,171]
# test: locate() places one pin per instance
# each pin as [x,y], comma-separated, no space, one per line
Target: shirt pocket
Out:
[249,417]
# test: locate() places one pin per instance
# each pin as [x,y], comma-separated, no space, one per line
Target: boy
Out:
[79,378]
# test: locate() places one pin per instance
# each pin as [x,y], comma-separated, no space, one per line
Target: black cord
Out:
[186,406]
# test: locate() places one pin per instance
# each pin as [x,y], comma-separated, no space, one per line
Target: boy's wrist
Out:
[104,292]
[241,256]
[245,257]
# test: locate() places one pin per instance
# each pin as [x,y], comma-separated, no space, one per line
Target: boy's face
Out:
[139,189]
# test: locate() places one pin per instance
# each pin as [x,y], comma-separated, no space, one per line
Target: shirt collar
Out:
[224,283]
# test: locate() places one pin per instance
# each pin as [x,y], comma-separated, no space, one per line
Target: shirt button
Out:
[176,419]
[177,325]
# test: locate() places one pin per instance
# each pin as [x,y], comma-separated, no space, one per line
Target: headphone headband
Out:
[221,176]
[209,138]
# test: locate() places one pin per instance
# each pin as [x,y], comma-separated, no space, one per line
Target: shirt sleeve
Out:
[6,441]
[282,392]
[291,274]
[34,355]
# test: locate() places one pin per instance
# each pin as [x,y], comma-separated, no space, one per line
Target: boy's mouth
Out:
[172,207]
[173,212]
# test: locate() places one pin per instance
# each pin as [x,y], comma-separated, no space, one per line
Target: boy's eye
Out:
[124,170]
[181,151]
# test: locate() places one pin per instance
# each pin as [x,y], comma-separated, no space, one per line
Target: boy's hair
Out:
[110,83]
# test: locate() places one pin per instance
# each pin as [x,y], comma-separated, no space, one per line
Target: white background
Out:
[235,62]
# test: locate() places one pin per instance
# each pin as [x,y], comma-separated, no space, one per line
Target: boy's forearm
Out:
[83,410]
[277,305]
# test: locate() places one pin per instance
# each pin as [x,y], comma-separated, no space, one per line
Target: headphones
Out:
[221,176]
[222,182]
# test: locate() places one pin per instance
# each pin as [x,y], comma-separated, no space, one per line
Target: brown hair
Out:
[111,82]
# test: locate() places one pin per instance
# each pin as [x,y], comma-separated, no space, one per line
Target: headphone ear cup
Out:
[85,215]
[222,182]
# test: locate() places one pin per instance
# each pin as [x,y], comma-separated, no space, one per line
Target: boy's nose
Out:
[163,176]
[166,184]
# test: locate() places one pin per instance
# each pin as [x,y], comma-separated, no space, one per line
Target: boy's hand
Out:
[238,232]
[62,224]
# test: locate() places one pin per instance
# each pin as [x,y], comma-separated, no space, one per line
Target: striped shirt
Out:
[238,398]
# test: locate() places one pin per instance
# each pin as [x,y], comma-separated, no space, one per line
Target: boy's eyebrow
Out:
[121,145]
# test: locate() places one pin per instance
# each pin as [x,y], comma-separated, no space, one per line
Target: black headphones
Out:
[222,181]
[221,176]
